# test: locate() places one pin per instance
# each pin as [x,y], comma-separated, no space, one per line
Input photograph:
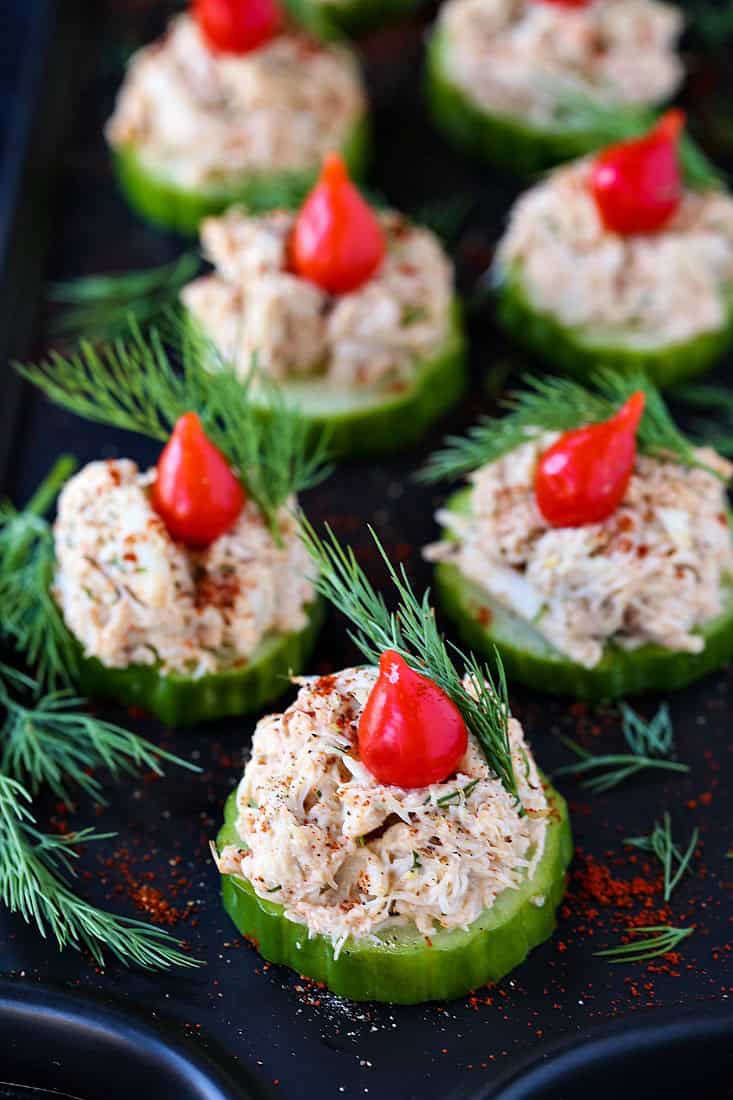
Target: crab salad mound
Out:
[202,118]
[643,290]
[131,595]
[528,59]
[375,335]
[652,572]
[345,855]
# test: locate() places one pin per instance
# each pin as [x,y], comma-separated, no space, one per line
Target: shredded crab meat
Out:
[374,335]
[132,595]
[524,58]
[345,855]
[643,290]
[651,572]
[201,117]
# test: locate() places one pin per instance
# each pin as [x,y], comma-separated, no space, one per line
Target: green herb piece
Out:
[558,405]
[101,306]
[34,871]
[457,795]
[132,384]
[674,861]
[412,315]
[29,616]
[48,739]
[714,428]
[274,889]
[651,745]
[416,863]
[661,939]
[413,633]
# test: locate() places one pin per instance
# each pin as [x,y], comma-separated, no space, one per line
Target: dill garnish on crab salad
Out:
[624,260]
[527,84]
[392,835]
[232,105]
[185,587]
[351,309]
[593,546]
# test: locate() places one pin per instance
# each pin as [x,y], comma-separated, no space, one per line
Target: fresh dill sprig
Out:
[661,939]
[612,122]
[458,794]
[413,633]
[549,404]
[101,306]
[35,869]
[29,616]
[713,426]
[651,744]
[50,740]
[132,384]
[674,861]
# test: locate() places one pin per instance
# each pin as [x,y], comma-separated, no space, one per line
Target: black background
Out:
[285,1037]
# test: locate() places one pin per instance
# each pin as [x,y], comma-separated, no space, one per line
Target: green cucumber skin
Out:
[401,420]
[569,349]
[329,21]
[167,206]
[410,971]
[620,672]
[502,140]
[179,701]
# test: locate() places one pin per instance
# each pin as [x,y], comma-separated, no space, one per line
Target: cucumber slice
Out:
[530,659]
[510,142]
[161,201]
[579,350]
[401,967]
[380,420]
[179,700]
[348,17]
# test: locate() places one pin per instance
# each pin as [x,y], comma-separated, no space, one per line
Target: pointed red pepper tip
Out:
[410,733]
[195,492]
[583,477]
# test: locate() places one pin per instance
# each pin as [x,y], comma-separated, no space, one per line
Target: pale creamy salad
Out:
[645,290]
[652,572]
[132,595]
[202,118]
[346,856]
[379,333]
[528,59]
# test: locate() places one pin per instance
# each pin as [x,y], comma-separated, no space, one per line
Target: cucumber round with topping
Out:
[402,966]
[530,659]
[512,143]
[160,200]
[180,700]
[382,419]
[581,350]
[334,18]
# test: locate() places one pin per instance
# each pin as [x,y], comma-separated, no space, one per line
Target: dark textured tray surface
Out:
[297,1040]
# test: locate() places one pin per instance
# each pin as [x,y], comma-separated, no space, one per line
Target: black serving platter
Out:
[61,216]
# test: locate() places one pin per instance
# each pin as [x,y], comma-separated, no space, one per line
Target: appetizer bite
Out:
[392,836]
[618,261]
[351,309]
[185,587]
[530,83]
[593,548]
[231,105]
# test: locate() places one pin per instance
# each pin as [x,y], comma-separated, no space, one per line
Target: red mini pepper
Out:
[637,184]
[410,733]
[237,26]
[584,475]
[337,241]
[195,492]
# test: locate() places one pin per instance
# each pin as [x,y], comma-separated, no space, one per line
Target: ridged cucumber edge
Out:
[503,140]
[166,205]
[405,968]
[573,350]
[179,701]
[335,20]
[529,659]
